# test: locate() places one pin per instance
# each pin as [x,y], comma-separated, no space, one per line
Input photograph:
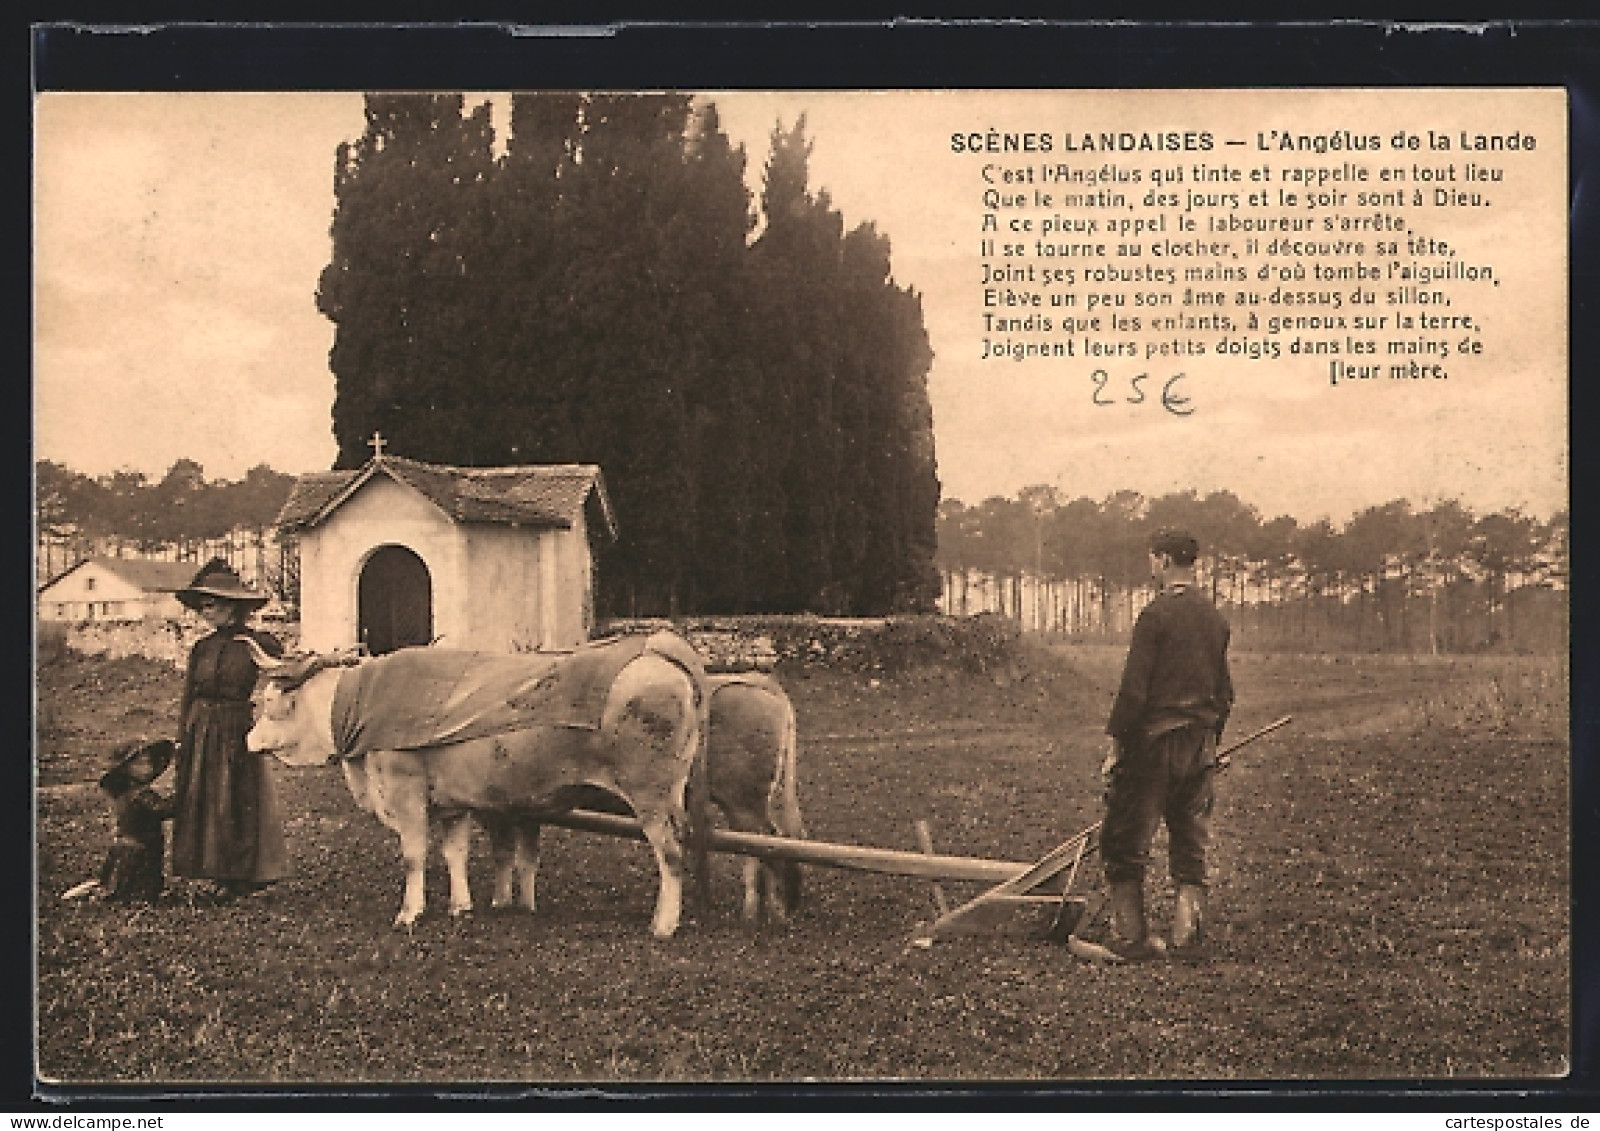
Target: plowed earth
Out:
[1388,903]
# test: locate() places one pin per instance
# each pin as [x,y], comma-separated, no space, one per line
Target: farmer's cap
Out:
[217,580]
[125,773]
[1179,545]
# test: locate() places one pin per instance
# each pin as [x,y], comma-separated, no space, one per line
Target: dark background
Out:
[103,51]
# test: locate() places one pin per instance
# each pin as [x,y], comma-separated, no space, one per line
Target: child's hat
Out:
[122,776]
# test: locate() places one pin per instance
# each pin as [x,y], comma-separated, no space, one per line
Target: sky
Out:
[179,238]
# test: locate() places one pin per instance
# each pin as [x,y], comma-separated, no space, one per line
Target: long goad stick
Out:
[1225,756]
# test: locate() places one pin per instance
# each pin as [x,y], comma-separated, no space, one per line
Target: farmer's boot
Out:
[1130,939]
[1188,922]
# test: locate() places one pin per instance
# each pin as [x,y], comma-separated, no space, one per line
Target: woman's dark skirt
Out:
[227,824]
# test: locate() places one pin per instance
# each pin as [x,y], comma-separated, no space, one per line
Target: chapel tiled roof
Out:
[538,495]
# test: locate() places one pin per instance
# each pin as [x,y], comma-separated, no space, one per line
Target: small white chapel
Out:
[492,559]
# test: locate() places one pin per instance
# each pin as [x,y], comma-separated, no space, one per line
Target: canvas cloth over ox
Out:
[421,698]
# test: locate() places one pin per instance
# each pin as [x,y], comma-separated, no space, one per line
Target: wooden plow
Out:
[1019,905]
[1029,899]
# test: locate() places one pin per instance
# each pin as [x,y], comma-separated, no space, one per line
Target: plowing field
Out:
[1389,903]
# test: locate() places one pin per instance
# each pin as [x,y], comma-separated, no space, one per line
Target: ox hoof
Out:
[458,912]
[405,920]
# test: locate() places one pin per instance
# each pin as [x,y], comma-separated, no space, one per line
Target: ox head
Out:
[294,709]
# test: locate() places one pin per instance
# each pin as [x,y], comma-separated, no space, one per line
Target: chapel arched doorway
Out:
[394,601]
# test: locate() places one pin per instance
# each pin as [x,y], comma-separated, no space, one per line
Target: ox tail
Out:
[697,799]
[783,807]
[697,789]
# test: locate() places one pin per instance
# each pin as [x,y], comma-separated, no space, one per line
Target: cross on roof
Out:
[376,444]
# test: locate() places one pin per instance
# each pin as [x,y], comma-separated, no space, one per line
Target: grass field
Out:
[1389,902]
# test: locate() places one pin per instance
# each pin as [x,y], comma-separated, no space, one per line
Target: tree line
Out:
[182,507]
[1438,578]
[748,374]
[182,516]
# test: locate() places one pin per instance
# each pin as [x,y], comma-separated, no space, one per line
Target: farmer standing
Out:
[1170,711]
[226,825]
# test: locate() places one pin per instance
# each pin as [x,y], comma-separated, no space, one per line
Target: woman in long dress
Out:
[226,825]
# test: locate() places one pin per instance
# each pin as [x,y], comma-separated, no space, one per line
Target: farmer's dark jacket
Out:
[1177,669]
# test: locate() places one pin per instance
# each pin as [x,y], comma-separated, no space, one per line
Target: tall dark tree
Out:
[798,260]
[652,219]
[410,207]
[846,387]
[760,410]
[897,435]
[723,369]
[524,401]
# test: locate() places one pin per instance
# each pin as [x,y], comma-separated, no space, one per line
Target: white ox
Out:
[751,769]
[645,746]
[751,757]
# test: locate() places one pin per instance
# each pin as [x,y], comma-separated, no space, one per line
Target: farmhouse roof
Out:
[145,573]
[535,495]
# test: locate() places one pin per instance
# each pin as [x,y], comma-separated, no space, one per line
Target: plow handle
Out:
[1224,756]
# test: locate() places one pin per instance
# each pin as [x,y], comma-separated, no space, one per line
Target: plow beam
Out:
[1026,898]
[821,853]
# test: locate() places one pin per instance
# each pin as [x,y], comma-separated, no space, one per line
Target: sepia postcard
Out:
[889,403]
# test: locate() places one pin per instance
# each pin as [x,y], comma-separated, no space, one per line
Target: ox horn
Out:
[259,654]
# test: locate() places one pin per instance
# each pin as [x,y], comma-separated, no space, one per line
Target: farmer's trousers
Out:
[1163,778]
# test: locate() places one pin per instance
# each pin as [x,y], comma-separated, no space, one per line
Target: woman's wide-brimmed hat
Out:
[120,775]
[217,580]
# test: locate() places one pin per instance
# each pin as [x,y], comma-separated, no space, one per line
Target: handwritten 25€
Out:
[1172,397]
